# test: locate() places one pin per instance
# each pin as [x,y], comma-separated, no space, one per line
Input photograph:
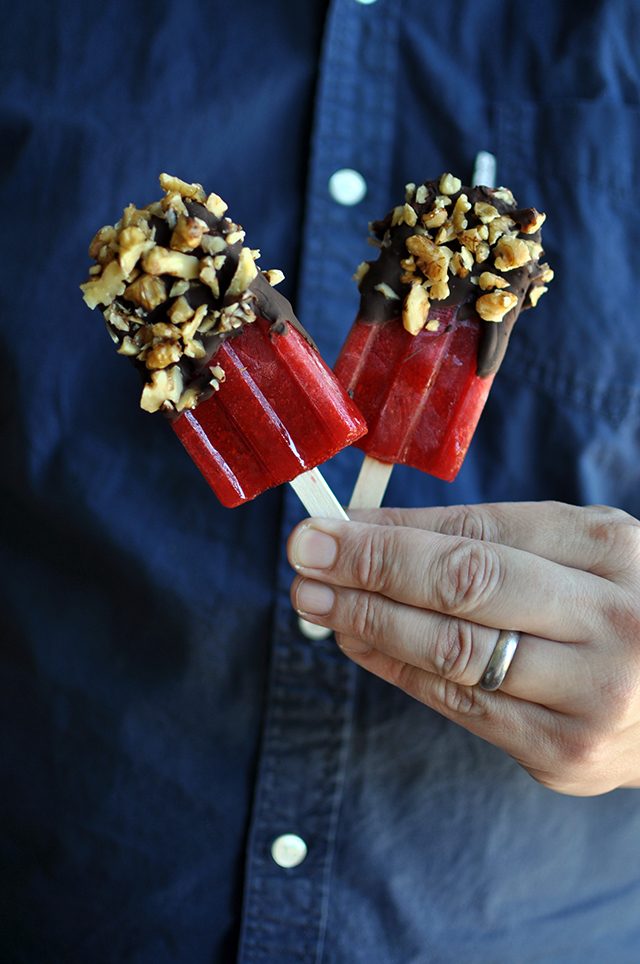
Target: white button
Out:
[365,2]
[289,850]
[311,630]
[347,186]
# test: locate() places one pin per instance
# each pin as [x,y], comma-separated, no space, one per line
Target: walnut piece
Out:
[147,291]
[195,192]
[488,281]
[449,184]
[510,253]
[104,289]
[163,354]
[187,234]
[244,274]
[163,261]
[166,386]
[494,307]
[415,310]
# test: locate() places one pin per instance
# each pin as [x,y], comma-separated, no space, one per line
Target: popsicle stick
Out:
[316,496]
[484,169]
[318,499]
[371,484]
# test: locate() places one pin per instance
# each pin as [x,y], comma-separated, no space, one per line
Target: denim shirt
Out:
[164,719]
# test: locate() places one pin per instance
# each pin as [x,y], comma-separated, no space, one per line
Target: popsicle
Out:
[221,353]
[456,267]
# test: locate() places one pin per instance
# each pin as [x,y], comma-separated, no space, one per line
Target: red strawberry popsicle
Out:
[221,353]
[456,267]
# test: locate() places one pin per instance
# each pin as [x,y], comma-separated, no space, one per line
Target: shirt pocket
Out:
[579,161]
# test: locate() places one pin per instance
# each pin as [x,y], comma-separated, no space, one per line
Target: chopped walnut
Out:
[213,244]
[274,276]
[101,239]
[461,207]
[188,233]
[361,271]
[446,233]
[511,253]
[494,306]
[404,214]
[166,386]
[195,192]
[531,220]
[535,294]
[500,226]
[488,281]
[209,276]
[163,261]
[180,311]
[192,325]
[434,218]
[133,243]
[215,205]
[485,212]
[244,274]
[179,288]
[128,347]
[387,291]
[163,354]
[449,184]
[504,194]
[116,318]
[415,310]
[234,236]
[422,193]
[104,289]
[147,291]
[439,290]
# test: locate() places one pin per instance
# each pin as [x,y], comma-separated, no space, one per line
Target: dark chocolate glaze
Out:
[260,299]
[375,307]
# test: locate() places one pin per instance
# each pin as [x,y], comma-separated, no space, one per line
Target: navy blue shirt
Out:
[163,718]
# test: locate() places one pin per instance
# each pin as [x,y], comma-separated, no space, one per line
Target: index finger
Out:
[595,538]
[491,584]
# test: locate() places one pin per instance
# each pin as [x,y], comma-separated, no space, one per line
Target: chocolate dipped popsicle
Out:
[221,353]
[456,267]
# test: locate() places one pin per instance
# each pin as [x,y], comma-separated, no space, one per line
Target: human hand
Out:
[416,596]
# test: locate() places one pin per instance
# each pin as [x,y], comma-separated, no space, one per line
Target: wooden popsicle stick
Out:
[371,484]
[316,496]
[484,169]
[318,499]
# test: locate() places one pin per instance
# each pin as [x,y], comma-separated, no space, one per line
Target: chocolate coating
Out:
[464,290]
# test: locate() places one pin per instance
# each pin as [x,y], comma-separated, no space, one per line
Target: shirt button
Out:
[288,850]
[366,2]
[347,186]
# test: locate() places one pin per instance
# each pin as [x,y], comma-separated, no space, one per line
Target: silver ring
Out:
[501,657]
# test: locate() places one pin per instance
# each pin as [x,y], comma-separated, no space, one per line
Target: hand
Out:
[416,596]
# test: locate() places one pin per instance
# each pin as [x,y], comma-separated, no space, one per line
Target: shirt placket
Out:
[311,686]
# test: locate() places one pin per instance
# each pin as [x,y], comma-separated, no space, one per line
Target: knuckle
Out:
[620,697]
[581,753]
[459,701]
[470,575]
[469,522]
[374,558]
[454,650]
[364,616]
[614,531]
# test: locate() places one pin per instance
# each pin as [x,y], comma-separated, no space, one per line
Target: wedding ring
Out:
[505,650]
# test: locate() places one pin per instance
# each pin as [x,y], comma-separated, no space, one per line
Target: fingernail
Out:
[314,598]
[313,549]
